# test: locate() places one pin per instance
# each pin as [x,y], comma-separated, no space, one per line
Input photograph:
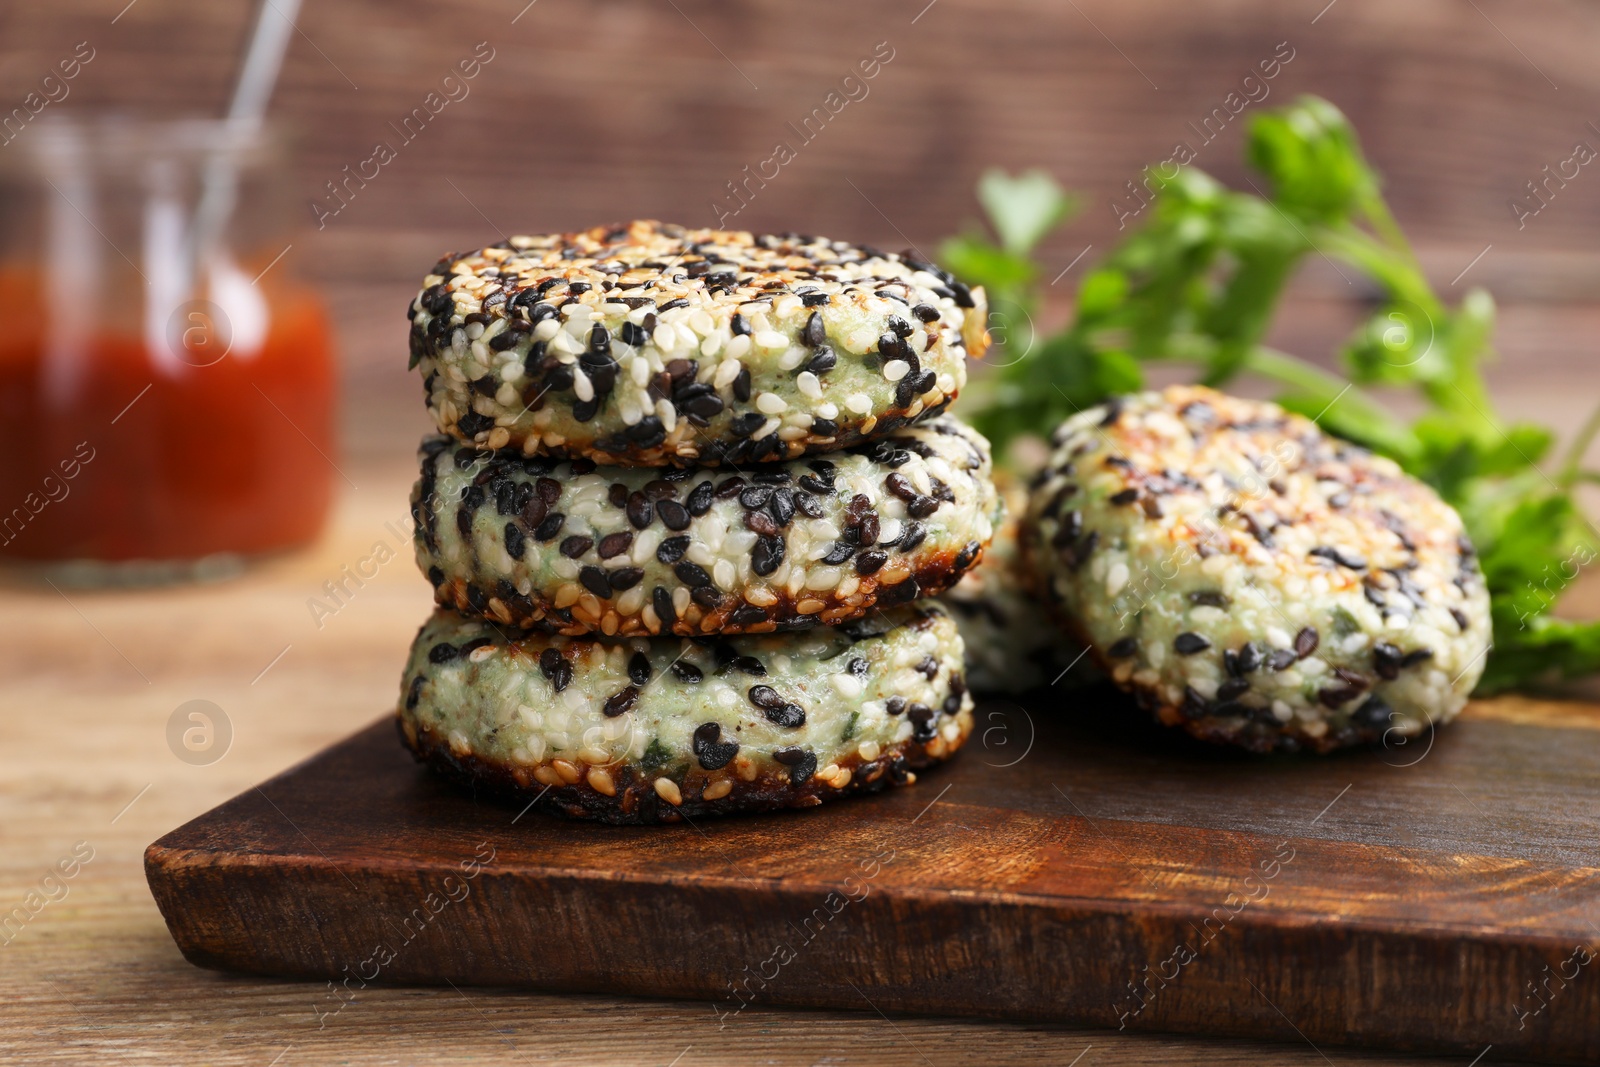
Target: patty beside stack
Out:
[690,489]
[1253,580]
[650,344]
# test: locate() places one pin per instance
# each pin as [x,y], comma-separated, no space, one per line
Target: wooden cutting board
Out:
[1440,895]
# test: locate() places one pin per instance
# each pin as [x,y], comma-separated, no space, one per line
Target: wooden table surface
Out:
[88,682]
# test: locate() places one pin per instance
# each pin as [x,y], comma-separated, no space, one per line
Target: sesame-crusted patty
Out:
[1013,645]
[572,548]
[648,729]
[1253,580]
[649,344]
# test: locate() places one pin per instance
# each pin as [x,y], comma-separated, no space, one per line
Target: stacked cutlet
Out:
[691,490]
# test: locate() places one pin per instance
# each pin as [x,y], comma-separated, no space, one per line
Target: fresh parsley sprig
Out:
[1198,282]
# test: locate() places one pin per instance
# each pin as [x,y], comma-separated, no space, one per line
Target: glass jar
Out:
[166,387]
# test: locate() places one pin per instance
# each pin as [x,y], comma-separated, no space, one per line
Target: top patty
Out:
[1254,580]
[650,345]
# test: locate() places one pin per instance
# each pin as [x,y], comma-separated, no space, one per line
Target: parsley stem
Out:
[1571,470]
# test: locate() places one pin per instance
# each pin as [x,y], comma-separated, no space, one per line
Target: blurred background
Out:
[602,110]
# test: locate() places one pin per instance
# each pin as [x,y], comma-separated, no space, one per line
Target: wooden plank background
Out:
[604,109]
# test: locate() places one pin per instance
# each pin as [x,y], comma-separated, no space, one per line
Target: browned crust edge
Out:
[636,802]
[934,573]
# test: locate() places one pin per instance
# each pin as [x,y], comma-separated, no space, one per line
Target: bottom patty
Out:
[650,729]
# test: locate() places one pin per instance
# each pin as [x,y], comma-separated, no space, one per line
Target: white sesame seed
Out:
[771,339]
[896,369]
[582,388]
[793,358]
[808,384]
[727,371]
[860,403]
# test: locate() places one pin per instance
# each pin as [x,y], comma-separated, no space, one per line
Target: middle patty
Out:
[572,548]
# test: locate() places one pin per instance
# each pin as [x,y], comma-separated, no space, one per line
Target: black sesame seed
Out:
[747,615]
[1282,659]
[755,497]
[1461,619]
[594,579]
[516,545]
[1250,657]
[870,561]
[692,575]
[614,544]
[709,748]
[823,362]
[782,505]
[1306,641]
[661,600]
[738,325]
[414,694]
[1416,656]
[900,486]
[550,527]
[585,410]
[1386,660]
[1189,643]
[767,554]
[1335,696]
[814,332]
[824,428]
[912,535]
[1208,598]
[1126,496]
[639,669]
[789,716]
[741,384]
[443,652]
[1343,559]
[625,578]
[764,696]
[705,406]
[858,667]
[699,501]
[925,312]
[576,545]
[1232,689]
[746,424]
[435,577]
[922,507]
[802,763]
[840,552]
[687,673]
[640,510]
[1123,648]
[621,703]
[672,549]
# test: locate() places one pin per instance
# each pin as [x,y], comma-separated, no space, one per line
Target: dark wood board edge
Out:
[890,951]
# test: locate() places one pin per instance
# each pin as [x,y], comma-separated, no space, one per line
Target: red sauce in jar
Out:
[136,462]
